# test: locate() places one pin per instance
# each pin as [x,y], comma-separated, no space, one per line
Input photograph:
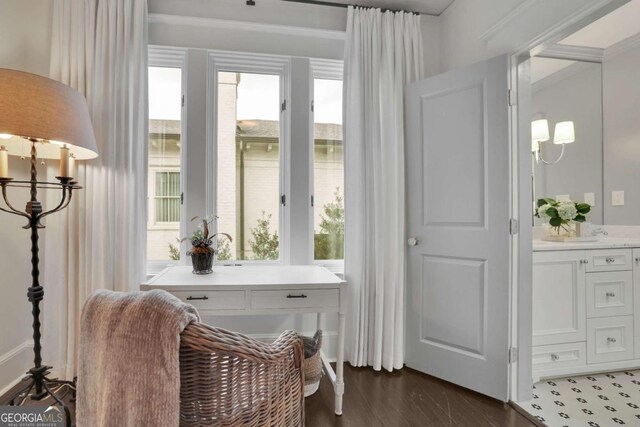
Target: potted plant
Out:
[202,251]
[564,216]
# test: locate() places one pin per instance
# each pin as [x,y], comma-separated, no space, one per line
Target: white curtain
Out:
[99,47]
[383,52]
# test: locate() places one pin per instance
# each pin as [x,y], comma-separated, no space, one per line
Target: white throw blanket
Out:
[129,365]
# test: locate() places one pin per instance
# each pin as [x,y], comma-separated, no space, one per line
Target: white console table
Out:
[248,290]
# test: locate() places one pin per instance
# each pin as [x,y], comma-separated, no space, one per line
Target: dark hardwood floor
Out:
[404,398]
[407,398]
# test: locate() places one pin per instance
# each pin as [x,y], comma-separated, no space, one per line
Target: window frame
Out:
[325,69]
[223,61]
[289,69]
[169,57]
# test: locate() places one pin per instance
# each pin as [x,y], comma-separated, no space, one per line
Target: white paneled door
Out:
[458,227]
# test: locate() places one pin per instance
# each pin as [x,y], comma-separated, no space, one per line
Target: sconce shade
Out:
[32,106]
[564,133]
[539,131]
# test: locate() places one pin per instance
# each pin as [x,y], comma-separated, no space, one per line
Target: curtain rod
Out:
[331,4]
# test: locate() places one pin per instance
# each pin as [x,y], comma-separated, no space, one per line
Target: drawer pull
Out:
[637,259]
[584,261]
[610,260]
[611,339]
[610,294]
[555,357]
[296,296]
[204,298]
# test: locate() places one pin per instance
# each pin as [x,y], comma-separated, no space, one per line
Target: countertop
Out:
[601,243]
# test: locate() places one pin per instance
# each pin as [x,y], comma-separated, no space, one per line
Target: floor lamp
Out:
[41,118]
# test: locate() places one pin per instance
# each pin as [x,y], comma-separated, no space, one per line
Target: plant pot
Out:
[202,262]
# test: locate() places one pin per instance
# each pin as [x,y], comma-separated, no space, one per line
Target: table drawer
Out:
[609,260]
[295,298]
[213,300]
[558,356]
[609,294]
[609,339]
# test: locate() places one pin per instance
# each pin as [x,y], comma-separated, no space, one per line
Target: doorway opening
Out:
[579,94]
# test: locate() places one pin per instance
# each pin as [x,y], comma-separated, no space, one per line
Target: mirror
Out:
[567,149]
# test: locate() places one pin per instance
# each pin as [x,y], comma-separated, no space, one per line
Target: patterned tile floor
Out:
[602,400]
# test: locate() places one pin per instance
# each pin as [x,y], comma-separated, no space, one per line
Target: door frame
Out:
[521,382]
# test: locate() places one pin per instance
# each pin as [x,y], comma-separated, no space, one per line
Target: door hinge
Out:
[182,100]
[284,105]
[514,226]
[513,98]
[182,198]
[513,355]
[283,200]
[312,106]
[312,200]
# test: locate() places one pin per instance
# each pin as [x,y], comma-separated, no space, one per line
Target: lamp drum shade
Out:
[36,107]
[564,133]
[539,131]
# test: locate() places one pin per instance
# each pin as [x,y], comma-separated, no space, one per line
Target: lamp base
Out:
[38,387]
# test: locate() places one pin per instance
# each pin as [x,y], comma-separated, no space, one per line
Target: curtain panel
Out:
[383,52]
[99,47]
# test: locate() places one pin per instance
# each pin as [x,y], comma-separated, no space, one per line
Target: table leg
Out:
[339,385]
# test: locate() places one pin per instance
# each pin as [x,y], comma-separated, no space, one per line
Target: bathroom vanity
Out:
[586,307]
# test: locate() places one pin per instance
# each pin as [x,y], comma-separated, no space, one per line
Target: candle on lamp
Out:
[64,161]
[4,162]
[72,165]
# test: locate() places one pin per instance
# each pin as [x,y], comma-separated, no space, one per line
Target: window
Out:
[249,159]
[164,194]
[167,197]
[248,193]
[328,170]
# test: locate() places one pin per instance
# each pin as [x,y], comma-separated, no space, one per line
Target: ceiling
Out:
[429,7]
[619,25]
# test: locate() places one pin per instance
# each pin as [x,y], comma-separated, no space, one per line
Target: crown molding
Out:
[506,19]
[622,46]
[223,24]
[576,53]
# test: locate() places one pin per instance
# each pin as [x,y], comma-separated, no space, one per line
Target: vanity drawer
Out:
[609,260]
[213,300]
[295,298]
[558,357]
[609,339]
[609,294]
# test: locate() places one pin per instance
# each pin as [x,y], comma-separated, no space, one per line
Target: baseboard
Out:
[13,365]
[328,341]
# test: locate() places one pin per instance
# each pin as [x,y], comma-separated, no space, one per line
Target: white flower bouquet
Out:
[561,214]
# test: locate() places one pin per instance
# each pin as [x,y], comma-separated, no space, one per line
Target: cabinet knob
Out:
[610,260]
[412,241]
[611,340]
[554,357]
[610,294]
[584,261]
[638,259]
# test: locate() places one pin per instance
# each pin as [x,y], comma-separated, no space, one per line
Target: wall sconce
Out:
[563,134]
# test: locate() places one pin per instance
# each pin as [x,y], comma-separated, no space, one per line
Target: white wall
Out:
[25,28]
[473,30]
[621,95]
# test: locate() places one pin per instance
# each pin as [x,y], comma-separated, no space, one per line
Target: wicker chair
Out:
[228,379]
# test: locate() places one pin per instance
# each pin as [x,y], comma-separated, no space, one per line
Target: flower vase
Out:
[202,261]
